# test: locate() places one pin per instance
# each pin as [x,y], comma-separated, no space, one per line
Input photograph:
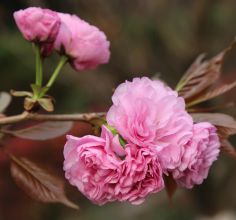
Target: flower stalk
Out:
[38,65]
[56,72]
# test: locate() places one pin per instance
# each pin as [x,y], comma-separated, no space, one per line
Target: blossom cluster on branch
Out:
[152,138]
[159,138]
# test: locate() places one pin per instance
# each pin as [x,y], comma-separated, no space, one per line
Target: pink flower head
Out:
[103,171]
[92,165]
[147,113]
[37,24]
[199,154]
[85,44]
[141,176]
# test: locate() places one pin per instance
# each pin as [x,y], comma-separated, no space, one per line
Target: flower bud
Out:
[84,44]
[37,24]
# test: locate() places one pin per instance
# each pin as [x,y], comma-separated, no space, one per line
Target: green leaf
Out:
[115,132]
[39,91]
[36,89]
[43,131]
[43,91]
[5,100]
[122,141]
[112,129]
[38,183]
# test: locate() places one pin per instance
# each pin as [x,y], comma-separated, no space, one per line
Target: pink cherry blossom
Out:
[37,24]
[141,176]
[84,44]
[103,171]
[198,156]
[147,113]
[92,165]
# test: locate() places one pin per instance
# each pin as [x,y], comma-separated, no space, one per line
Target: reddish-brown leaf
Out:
[201,75]
[43,131]
[228,149]
[225,132]
[171,186]
[212,93]
[226,125]
[210,108]
[38,183]
[219,119]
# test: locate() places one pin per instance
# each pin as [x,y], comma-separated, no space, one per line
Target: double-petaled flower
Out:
[160,139]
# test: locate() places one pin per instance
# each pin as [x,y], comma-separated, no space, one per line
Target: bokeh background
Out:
[148,38]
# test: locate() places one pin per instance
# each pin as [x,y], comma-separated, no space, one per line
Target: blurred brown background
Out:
[152,37]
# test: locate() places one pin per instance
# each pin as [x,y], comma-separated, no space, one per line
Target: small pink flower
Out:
[141,176]
[199,154]
[37,24]
[147,113]
[92,165]
[85,44]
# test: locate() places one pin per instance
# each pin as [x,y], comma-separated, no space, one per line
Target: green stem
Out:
[61,63]
[38,66]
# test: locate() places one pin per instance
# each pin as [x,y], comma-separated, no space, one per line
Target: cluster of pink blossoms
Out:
[160,139]
[85,45]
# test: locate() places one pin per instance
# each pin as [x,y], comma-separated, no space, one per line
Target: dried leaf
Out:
[228,148]
[5,100]
[212,93]
[99,121]
[46,103]
[201,74]
[97,124]
[38,183]
[226,125]
[43,131]
[21,93]
[29,103]
[171,186]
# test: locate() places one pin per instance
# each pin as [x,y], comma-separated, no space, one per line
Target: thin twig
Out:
[84,117]
[14,119]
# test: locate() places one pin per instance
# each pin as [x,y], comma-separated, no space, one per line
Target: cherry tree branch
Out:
[83,117]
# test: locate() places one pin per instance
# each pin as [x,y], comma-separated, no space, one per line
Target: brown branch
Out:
[14,119]
[84,117]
